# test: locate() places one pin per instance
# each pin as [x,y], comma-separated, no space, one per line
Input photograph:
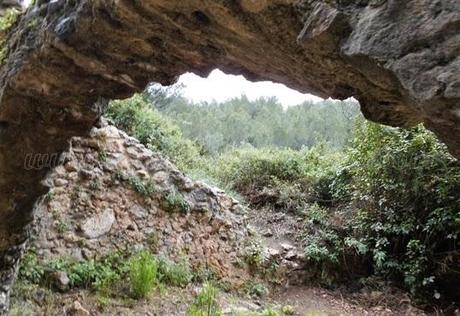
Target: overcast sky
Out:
[220,87]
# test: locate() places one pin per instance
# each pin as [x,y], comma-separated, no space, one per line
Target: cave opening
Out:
[61,60]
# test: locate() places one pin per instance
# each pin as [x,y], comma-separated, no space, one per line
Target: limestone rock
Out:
[60,182]
[98,225]
[287,247]
[60,280]
[77,310]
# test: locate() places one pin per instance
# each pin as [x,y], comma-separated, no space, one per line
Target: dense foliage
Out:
[385,206]
[260,123]
[6,22]
[140,120]
[404,189]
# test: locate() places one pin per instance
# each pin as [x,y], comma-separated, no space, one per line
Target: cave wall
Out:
[66,58]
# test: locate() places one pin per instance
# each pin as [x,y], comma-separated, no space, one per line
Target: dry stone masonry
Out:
[113,194]
[65,58]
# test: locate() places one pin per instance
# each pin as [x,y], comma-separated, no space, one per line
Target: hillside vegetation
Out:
[380,204]
[263,122]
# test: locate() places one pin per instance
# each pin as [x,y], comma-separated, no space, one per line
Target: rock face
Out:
[65,58]
[119,196]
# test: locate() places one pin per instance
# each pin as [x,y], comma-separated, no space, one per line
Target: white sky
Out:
[220,87]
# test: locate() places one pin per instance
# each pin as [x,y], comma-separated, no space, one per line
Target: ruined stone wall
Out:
[112,194]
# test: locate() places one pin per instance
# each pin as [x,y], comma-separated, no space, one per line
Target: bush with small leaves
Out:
[176,274]
[139,119]
[256,289]
[8,19]
[255,253]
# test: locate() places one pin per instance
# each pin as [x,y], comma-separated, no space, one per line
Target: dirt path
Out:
[282,233]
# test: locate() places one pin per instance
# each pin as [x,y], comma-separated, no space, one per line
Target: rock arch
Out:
[66,58]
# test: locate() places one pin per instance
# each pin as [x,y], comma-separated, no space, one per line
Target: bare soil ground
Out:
[279,229]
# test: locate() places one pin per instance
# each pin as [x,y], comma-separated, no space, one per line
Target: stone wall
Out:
[111,193]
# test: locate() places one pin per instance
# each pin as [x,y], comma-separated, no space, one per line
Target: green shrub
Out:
[139,119]
[205,303]
[256,289]
[324,245]
[398,192]
[30,269]
[92,273]
[176,274]
[283,178]
[407,187]
[176,201]
[143,274]
[8,19]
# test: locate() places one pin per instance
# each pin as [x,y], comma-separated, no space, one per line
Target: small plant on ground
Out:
[270,312]
[102,155]
[256,289]
[146,188]
[205,303]
[288,310]
[255,253]
[153,240]
[94,185]
[143,274]
[176,274]
[204,275]
[62,227]
[142,187]
[176,201]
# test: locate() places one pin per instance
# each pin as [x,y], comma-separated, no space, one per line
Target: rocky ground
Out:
[302,301]
[281,233]
[110,194]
